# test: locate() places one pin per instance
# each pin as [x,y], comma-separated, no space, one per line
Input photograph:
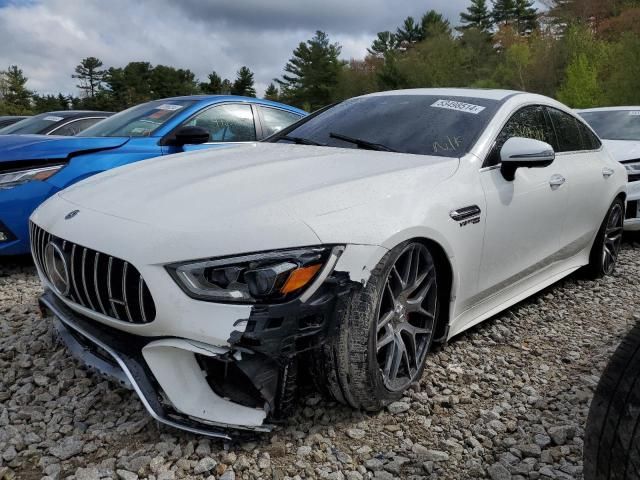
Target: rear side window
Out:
[528,122]
[589,140]
[274,120]
[567,130]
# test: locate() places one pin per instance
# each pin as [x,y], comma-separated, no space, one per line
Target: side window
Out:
[274,120]
[226,123]
[528,122]
[74,128]
[567,131]
[589,140]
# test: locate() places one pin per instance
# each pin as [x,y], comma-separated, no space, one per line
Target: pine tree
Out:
[17,98]
[409,33]
[526,15]
[312,74]
[477,16]
[504,11]
[244,84]
[90,76]
[433,24]
[385,42]
[271,93]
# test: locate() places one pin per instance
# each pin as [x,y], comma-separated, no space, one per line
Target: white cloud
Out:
[48,38]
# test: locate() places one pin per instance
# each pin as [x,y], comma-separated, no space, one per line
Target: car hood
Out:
[189,191]
[623,150]
[40,147]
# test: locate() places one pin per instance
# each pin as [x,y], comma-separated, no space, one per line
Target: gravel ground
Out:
[507,399]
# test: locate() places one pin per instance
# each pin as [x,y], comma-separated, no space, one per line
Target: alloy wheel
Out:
[406,317]
[612,239]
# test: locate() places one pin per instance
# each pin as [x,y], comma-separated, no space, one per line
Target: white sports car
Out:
[340,249]
[619,128]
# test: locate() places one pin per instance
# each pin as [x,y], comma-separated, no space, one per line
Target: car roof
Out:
[488,93]
[229,98]
[608,109]
[76,113]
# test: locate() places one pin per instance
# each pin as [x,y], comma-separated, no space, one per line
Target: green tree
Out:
[384,42]
[165,81]
[49,103]
[433,24]
[580,88]
[90,75]
[311,75]
[622,66]
[525,16]
[477,16]
[410,32]
[272,93]
[214,85]
[504,11]
[244,83]
[16,96]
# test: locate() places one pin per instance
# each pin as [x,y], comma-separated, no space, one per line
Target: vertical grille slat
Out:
[96,262]
[112,287]
[84,278]
[125,268]
[141,298]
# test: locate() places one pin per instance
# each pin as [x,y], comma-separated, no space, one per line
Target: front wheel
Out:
[384,330]
[605,250]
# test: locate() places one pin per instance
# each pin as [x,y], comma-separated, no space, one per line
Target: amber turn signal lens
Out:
[45,174]
[299,278]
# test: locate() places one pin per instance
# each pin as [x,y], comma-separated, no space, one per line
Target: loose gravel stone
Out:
[506,399]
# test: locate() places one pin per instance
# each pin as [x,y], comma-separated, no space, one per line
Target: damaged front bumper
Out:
[202,388]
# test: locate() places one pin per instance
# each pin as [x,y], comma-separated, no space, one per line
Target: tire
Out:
[374,331]
[612,436]
[606,247]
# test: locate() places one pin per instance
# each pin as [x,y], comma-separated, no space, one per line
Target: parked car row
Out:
[341,247]
[32,168]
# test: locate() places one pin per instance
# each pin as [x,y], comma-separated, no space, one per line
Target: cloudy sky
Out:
[48,38]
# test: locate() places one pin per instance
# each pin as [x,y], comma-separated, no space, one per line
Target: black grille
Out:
[634,177]
[102,283]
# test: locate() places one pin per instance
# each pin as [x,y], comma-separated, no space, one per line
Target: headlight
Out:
[270,277]
[13,179]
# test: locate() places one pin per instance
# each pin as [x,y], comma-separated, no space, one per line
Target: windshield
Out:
[32,125]
[418,124]
[139,121]
[615,124]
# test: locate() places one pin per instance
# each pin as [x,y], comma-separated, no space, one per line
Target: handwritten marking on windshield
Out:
[451,144]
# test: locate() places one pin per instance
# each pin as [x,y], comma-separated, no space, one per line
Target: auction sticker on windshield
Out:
[169,107]
[52,118]
[635,113]
[458,106]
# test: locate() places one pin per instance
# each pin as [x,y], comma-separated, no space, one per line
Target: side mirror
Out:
[190,136]
[519,152]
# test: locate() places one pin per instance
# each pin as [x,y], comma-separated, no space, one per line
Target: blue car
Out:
[34,167]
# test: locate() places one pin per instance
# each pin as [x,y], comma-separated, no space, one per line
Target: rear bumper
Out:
[119,356]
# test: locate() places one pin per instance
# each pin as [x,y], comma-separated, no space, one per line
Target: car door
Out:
[578,153]
[227,123]
[525,217]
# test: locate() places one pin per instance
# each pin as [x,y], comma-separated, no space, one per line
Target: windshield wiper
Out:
[362,143]
[301,141]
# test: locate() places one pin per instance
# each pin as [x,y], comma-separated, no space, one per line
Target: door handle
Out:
[556,180]
[607,172]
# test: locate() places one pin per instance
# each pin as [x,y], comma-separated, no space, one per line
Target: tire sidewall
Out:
[375,379]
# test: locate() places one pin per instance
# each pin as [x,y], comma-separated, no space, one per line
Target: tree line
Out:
[583,52]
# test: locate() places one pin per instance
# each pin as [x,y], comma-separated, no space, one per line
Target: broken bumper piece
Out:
[166,373]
